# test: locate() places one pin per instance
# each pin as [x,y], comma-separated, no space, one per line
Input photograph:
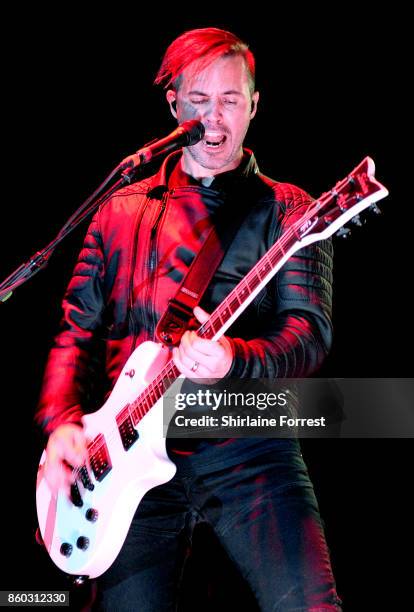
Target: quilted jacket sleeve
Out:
[68,369]
[299,333]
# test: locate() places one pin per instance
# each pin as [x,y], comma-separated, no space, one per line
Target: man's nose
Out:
[214,112]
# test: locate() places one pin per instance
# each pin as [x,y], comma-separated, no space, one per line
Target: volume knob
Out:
[91,515]
[66,549]
[82,542]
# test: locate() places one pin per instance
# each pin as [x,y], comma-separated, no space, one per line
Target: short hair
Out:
[203,45]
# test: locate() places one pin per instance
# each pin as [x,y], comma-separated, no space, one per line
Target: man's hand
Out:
[198,358]
[66,447]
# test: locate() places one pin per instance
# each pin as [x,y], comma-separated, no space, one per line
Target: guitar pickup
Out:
[127,431]
[99,459]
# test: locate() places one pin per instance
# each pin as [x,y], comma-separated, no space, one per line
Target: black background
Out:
[77,98]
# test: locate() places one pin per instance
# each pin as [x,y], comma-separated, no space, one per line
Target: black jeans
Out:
[266,517]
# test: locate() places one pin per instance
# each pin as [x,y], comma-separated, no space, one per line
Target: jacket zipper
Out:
[131,276]
[152,261]
[151,265]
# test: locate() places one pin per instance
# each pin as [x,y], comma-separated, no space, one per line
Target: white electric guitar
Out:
[84,534]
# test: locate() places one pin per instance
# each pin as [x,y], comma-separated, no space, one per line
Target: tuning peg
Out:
[357,220]
[343,232]
[375,209]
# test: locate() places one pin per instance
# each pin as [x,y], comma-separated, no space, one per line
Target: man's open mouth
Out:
[214,141]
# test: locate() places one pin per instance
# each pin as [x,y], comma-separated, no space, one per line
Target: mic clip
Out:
[132,162]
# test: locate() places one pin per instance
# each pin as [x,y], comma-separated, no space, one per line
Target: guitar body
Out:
[116,496]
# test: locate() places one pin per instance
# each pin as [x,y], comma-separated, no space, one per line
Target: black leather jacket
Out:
[136,251]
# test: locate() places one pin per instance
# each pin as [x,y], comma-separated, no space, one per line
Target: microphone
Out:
[186,135]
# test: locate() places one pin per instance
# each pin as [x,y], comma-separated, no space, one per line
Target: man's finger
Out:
[200,314]
[190,342]
[185,366]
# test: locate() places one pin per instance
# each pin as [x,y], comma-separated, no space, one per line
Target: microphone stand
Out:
[40,259]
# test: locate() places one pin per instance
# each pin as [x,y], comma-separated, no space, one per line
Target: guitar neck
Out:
[247,289]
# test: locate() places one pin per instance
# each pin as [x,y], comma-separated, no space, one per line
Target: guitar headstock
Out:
[358,191]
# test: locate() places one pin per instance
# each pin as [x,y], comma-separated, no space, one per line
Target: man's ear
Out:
[255,100]
[172,101]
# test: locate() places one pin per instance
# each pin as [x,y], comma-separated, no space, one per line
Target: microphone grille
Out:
[194,131]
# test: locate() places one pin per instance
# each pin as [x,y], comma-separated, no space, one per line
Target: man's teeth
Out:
[214,141]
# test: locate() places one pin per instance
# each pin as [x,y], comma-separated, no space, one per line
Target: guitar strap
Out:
[175,320]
